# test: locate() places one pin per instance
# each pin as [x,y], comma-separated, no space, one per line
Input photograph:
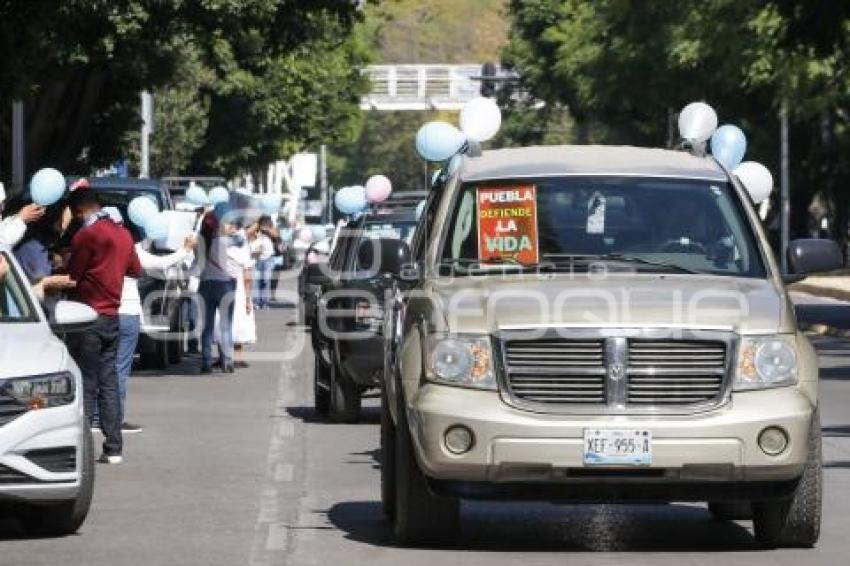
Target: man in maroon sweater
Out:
[102,253]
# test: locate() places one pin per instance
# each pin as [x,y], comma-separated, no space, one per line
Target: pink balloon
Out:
[305,235]
[378,188]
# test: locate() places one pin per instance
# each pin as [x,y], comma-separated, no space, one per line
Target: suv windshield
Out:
[647,225]
[14,304]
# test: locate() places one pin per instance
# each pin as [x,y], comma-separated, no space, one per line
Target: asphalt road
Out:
[236,470]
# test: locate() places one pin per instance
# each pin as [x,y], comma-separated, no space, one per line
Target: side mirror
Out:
[810,255]
[389,256]
[70,316]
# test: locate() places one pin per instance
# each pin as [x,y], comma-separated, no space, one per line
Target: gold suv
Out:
[598,324]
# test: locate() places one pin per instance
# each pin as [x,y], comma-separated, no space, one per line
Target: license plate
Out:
[609,446]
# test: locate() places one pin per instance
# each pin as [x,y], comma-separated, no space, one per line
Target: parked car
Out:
[46,454]
[347,333]
[177,186]
[167,312]
[310,277]
[581,324]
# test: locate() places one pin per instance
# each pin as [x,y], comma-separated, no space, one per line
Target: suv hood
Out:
[490,303]
[30,349]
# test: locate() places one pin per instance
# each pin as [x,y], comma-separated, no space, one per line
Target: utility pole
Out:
[785,187]
[323,183]
[147,129]
[18,148]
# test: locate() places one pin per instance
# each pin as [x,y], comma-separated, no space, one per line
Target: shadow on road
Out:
[308,415]
[497,527]
[838,464]
[833,314]
[837,431]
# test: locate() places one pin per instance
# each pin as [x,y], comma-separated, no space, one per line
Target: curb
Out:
[821,291]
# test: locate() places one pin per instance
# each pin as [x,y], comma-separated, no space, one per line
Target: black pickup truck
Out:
[347,333]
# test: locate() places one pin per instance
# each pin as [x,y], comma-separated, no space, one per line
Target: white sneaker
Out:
[105,459]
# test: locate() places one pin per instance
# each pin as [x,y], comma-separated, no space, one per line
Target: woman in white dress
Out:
[244,324]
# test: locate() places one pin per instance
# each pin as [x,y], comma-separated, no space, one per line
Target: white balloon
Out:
[756,179]
[480,119]
[697,121]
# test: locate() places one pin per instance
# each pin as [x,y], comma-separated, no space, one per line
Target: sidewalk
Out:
[831,294]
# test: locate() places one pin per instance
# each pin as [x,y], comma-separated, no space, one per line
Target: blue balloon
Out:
[728,145]
[351,200]
[270,203]
[197,196]
[141,210]
[47,186]
[219,194]
[157,227]
[438,141]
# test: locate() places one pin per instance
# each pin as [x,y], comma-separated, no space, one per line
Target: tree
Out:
[623,68]
[79,65]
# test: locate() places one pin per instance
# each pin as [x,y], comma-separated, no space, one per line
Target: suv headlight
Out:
[40,391]
[461,360]
[765,362]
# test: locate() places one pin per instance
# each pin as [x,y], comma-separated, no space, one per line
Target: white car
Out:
[46,456]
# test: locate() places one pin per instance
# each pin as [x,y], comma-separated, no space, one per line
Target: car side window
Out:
[423,230]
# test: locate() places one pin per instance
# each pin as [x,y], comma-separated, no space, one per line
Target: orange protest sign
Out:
[507,224]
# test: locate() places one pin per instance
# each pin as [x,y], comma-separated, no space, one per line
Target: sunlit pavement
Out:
[236,470]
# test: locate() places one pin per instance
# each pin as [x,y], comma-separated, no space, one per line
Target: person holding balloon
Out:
[217,287]
[130,312]
[102,254]
[13,227]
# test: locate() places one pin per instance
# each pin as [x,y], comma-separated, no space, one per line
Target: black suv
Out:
[347,333]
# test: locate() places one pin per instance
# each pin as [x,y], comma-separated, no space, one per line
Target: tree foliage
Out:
[80,64]
[623,67]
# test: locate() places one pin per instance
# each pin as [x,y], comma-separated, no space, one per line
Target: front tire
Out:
[388,463]
[66,518]
[795,522]
[421,518]
[321,394]
[345,397]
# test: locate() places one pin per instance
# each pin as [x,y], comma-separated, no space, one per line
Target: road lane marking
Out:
[284,473]
[277,538]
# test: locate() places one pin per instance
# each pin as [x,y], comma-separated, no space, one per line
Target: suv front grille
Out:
[557,371]
[673,372]
[616,372]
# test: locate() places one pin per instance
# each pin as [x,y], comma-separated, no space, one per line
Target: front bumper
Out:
[519,447]
[22,479]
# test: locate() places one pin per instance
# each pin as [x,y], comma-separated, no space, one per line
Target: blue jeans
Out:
[129,326]
[218,297]
[263,269]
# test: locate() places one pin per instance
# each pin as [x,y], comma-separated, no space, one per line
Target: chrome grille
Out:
[674,372]
[556,370]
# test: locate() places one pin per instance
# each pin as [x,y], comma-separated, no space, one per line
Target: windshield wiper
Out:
[647,262]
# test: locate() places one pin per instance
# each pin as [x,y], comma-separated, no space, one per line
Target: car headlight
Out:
[40,391]
[461,360]
[766,362]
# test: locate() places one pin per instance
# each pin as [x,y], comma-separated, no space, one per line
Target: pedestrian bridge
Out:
[425,87]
